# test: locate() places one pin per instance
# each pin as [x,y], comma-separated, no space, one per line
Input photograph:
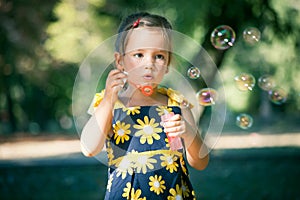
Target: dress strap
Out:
[99,97]
[175,97]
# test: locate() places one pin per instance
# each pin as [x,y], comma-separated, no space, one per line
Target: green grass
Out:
[270,173]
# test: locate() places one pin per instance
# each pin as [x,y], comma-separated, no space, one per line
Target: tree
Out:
[43,43]
[24,63]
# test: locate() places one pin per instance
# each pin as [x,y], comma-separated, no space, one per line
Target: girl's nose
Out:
[149,62]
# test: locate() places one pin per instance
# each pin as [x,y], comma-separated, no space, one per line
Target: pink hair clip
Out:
[136,23]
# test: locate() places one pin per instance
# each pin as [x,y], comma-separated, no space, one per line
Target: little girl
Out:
[148,131]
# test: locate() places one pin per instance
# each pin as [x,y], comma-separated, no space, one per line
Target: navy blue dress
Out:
[141,163]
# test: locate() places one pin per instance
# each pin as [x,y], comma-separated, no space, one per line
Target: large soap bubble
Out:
[94,69]
[207,96]
[222,37]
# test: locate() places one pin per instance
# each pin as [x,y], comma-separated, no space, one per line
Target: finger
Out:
[115,86]
[117,82]
[114,71]
[176,134]
[175,117]
[169,124]
[116,89]
[117,74]
[174,129]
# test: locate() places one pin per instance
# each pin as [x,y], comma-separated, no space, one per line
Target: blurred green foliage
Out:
[43,43]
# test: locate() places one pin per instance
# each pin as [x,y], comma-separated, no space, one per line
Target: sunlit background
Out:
[43,43]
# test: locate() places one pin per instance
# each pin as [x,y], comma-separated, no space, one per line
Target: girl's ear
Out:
[118,61]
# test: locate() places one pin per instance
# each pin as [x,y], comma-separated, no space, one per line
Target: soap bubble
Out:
[244,121]
[266,82]
[245,82]
[185,103]
[193,72]
[222,37]
[207,96]
[278,96]
[92,74]
[251,35]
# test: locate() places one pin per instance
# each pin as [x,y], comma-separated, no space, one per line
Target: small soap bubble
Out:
[207,96]
[185,104]
[266,82]
[245,81]
[193,72]
[251,35]
[278,96]
[244,121]
[222,37]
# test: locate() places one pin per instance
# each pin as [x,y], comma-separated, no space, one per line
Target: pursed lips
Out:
[148,77]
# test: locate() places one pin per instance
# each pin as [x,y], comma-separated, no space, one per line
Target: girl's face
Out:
[146,56]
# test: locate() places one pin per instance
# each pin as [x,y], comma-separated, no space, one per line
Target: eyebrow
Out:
[142,49]
[139,50]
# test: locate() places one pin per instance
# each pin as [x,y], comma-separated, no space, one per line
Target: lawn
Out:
[265,173]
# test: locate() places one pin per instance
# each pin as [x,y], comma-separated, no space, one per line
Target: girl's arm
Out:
[96,130]
[184,126]
[196,150]
[99,125]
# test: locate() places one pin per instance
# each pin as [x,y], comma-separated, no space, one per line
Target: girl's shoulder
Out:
[175,98]
[99,97]
[95,102]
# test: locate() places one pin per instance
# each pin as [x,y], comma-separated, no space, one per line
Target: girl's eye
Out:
[160,57]
[138,55]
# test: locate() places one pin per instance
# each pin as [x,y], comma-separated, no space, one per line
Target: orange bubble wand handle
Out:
[147,90]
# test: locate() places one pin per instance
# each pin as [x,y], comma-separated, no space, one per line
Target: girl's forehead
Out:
[147,38]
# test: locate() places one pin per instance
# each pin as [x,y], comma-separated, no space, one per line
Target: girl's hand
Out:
[175,126]
[114,83]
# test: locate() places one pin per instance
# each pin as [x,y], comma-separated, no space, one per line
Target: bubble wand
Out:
[147,90]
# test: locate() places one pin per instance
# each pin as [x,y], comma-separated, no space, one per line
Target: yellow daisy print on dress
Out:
[121,131]
[157,184]
[110,153]
[132,110]
[143,163]
[182,163]
[147,130]
[175,193]
[126,190]
[162,110]
[167,142]
[134,195]
[185,189]
[169,161]
[124,166]
[193,193]
[109,184]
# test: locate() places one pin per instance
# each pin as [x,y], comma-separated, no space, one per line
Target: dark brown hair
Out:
[142,19]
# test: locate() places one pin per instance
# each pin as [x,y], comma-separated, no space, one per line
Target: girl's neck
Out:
[132,96]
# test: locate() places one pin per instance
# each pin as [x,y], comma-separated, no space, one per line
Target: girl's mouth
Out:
[148,77]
